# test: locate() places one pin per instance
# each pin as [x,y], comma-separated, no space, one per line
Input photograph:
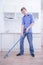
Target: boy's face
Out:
[24,12]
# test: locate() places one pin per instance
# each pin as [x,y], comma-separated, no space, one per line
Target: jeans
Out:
[29,38]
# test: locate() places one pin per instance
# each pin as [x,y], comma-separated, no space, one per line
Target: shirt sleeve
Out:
[31,19]
[23,21]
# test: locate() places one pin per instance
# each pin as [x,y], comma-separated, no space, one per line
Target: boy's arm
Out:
[29,27]
[22,29]
[32,22]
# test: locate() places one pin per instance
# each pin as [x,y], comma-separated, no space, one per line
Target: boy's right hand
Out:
[21,34]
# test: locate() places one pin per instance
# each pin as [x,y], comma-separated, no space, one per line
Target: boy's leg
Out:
[29,37]
[22,44]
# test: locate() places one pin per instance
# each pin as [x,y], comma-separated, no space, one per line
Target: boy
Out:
[26,30]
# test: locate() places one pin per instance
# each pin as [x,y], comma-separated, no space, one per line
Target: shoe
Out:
[19,54]
[32,55]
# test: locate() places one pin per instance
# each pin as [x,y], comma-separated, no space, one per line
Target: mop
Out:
[6,55]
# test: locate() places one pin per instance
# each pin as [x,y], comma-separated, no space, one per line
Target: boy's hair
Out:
[23,8]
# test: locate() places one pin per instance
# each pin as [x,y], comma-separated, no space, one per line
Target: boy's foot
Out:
[33,55]
[19,54]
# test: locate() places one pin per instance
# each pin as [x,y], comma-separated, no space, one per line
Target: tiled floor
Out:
[26,59]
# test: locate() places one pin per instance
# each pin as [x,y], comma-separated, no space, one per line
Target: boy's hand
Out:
[21,34]
[27,30]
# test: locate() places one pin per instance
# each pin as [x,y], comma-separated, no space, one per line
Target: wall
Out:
[42,22]
[7,37]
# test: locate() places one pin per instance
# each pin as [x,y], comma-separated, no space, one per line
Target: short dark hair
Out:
[23,8]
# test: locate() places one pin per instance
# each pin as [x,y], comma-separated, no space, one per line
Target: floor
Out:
[26,59]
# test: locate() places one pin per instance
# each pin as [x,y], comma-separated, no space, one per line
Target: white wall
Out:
[42,27]
[42,22]
[8,40]
[15,6]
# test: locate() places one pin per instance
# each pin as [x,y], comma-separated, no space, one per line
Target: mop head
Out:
[5,56]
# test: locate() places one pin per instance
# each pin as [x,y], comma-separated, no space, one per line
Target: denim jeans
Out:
[29,38]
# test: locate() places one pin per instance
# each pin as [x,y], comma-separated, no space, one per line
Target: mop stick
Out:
[11,48]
